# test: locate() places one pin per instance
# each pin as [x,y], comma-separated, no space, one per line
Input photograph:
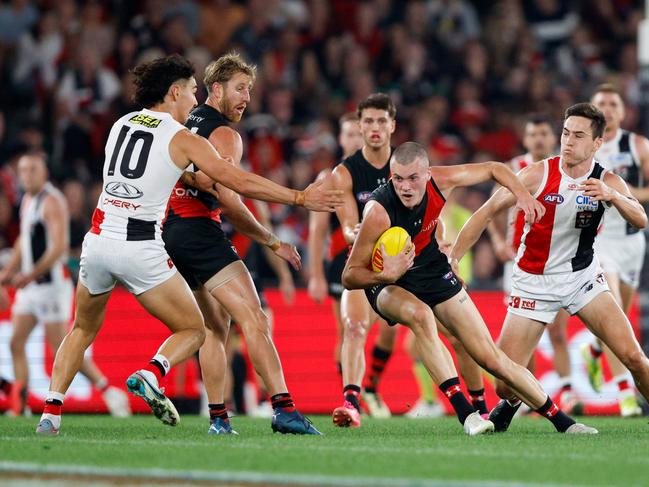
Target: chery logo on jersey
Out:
[363,196]
[585,203]
[553,198]
[121,204]
[123,190]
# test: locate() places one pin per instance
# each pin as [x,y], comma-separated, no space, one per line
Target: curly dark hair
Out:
[153,79]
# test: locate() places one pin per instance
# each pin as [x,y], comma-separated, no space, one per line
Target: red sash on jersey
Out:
[434,207]
[539,237]
[184,203]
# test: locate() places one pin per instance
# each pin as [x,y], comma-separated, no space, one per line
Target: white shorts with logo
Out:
[624,256]
[540,297]
[138,265]
[508,270]
[49,302]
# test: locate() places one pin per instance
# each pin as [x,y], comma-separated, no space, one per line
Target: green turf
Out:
[530,453]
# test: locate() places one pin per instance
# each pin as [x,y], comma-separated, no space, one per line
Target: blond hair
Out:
[224,68]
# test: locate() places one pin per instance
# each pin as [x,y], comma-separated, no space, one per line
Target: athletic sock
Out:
[102,384]
[451,388]
[352,395]
[595,350]
[478,401]
[283,400]
[424,381]
[559,419]
[53,407]
[218,411]
[380,358]
[18,398]
[158,366]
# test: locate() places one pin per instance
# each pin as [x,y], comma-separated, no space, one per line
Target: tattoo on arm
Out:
[463,298]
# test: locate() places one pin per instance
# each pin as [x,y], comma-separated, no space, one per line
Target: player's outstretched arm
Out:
[614,191]
[318,230]
[502,199]
[449,177]
[358,273]
[186,147]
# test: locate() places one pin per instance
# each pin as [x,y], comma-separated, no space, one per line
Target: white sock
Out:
[53,395]
[164,361]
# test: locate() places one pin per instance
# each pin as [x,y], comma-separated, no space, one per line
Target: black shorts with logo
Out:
[334,273]
[198,248]
[445,287]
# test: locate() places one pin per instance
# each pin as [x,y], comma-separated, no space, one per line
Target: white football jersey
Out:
[138,177]
[562,241]
[35,237]
[619,156]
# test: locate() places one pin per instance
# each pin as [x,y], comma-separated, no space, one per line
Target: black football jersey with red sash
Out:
[420,222]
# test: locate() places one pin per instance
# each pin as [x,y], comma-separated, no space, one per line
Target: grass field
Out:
[384,452]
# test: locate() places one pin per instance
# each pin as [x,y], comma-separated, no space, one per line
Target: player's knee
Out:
[198,336]
[262,322]
[635,360]
[356,329]
[421,319]
[16,345]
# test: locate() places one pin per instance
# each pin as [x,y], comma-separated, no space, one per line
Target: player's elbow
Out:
[348,280]
[642,220]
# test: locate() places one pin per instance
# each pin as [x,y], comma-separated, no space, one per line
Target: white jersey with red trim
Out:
[619,155]
[139,175]
[35,236]
[562,241]
[516,218]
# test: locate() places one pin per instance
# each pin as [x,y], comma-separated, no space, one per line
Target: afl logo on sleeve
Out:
[363,196]
[123,190]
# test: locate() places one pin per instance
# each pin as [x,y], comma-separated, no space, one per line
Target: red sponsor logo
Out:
[121,204]
[528,304]
[170,263]
[522,303]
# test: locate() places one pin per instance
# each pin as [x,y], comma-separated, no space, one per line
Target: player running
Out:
[417,285]
[556,266]
[146,154]
[540,141]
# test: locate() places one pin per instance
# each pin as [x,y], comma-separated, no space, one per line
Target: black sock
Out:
[158,366]
[352,394]
[54,402]
[218,411]
[560,420]
[478,401]
[283,400]
[451,389]
[380,358]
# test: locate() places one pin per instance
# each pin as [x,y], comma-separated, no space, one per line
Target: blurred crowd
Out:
[463,75]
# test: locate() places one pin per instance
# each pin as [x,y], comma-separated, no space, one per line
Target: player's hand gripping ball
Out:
[394,239]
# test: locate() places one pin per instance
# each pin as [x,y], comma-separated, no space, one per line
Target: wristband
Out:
[299,198]
[273,242]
